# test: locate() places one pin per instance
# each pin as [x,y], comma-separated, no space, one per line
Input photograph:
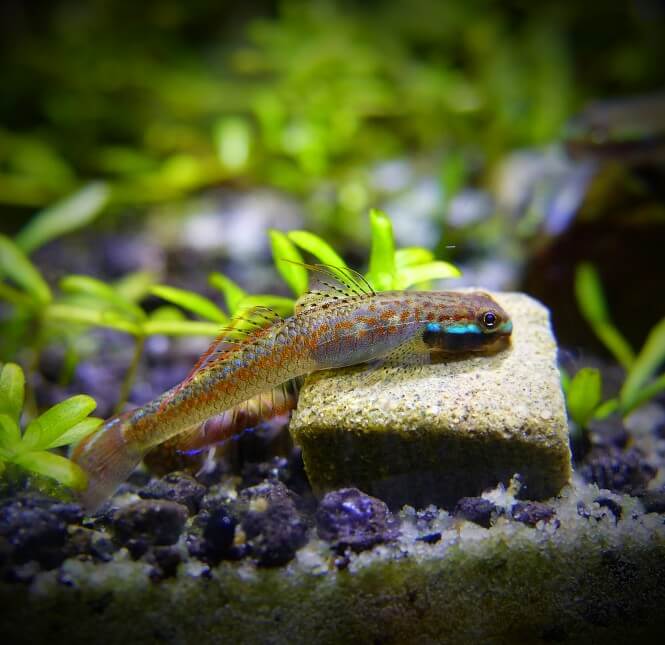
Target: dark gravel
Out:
[274,526]
[610,504]
[29,530]
[623,472]
[218,535]
[176,487]
[348,518]
[149,523]
[476,509]
[532,512]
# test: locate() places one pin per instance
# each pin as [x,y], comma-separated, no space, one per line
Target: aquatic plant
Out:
[64,424]
[642,383]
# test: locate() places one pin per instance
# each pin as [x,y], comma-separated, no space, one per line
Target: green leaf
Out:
[606,408]
[64,313]
[190,301]
[167,312]
[317,246]
[592,305]
[589,293]
[16,265]
[412,255]
[584,393]
[70,214]
[233,293]
[645,394]
[12,391]
[54,466]
[295,275]
[76,433]
[381,273]
[650,358]
[166,327]
[281,305]
[616,344]
[10,436]
[424,272]
[43,431]
[98,290]
[135,286]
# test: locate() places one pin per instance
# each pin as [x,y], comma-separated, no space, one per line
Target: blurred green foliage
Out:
[178,96]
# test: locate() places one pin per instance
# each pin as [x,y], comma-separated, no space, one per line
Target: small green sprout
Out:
[64,424]
[641,382]
[583,395]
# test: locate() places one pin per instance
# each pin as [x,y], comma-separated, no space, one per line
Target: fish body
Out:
[332,331]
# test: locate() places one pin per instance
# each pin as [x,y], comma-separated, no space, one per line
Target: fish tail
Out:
[107,459]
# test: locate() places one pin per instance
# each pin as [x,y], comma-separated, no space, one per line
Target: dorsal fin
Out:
[330,284]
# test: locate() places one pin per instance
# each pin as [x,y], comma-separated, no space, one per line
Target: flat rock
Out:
[421,434]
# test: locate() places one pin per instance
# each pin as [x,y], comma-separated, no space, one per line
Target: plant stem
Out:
[130,375]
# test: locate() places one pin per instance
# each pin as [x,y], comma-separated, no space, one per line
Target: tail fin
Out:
[107,460]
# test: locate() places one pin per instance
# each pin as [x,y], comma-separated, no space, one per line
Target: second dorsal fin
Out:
[330,284]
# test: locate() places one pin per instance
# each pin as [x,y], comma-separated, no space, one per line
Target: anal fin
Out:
[182,450]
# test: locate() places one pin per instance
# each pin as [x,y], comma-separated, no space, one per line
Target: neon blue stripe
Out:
[471,328]
[507,327]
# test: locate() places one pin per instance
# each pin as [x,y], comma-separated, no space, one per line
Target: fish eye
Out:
[490,319]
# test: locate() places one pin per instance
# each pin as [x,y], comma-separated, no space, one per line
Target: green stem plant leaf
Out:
[294,274]
[279,304]
[16,265]
[318,247]
[102,292]
[170,327]
[65,216]
[12,391]
[71,314]
[381,274]
[650,358]
[584,394]
[436,270]
[44,431]
[233,293]
[591,302]
[190,301]
[10,436]
[411,256]
[54,466]
[76,433]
